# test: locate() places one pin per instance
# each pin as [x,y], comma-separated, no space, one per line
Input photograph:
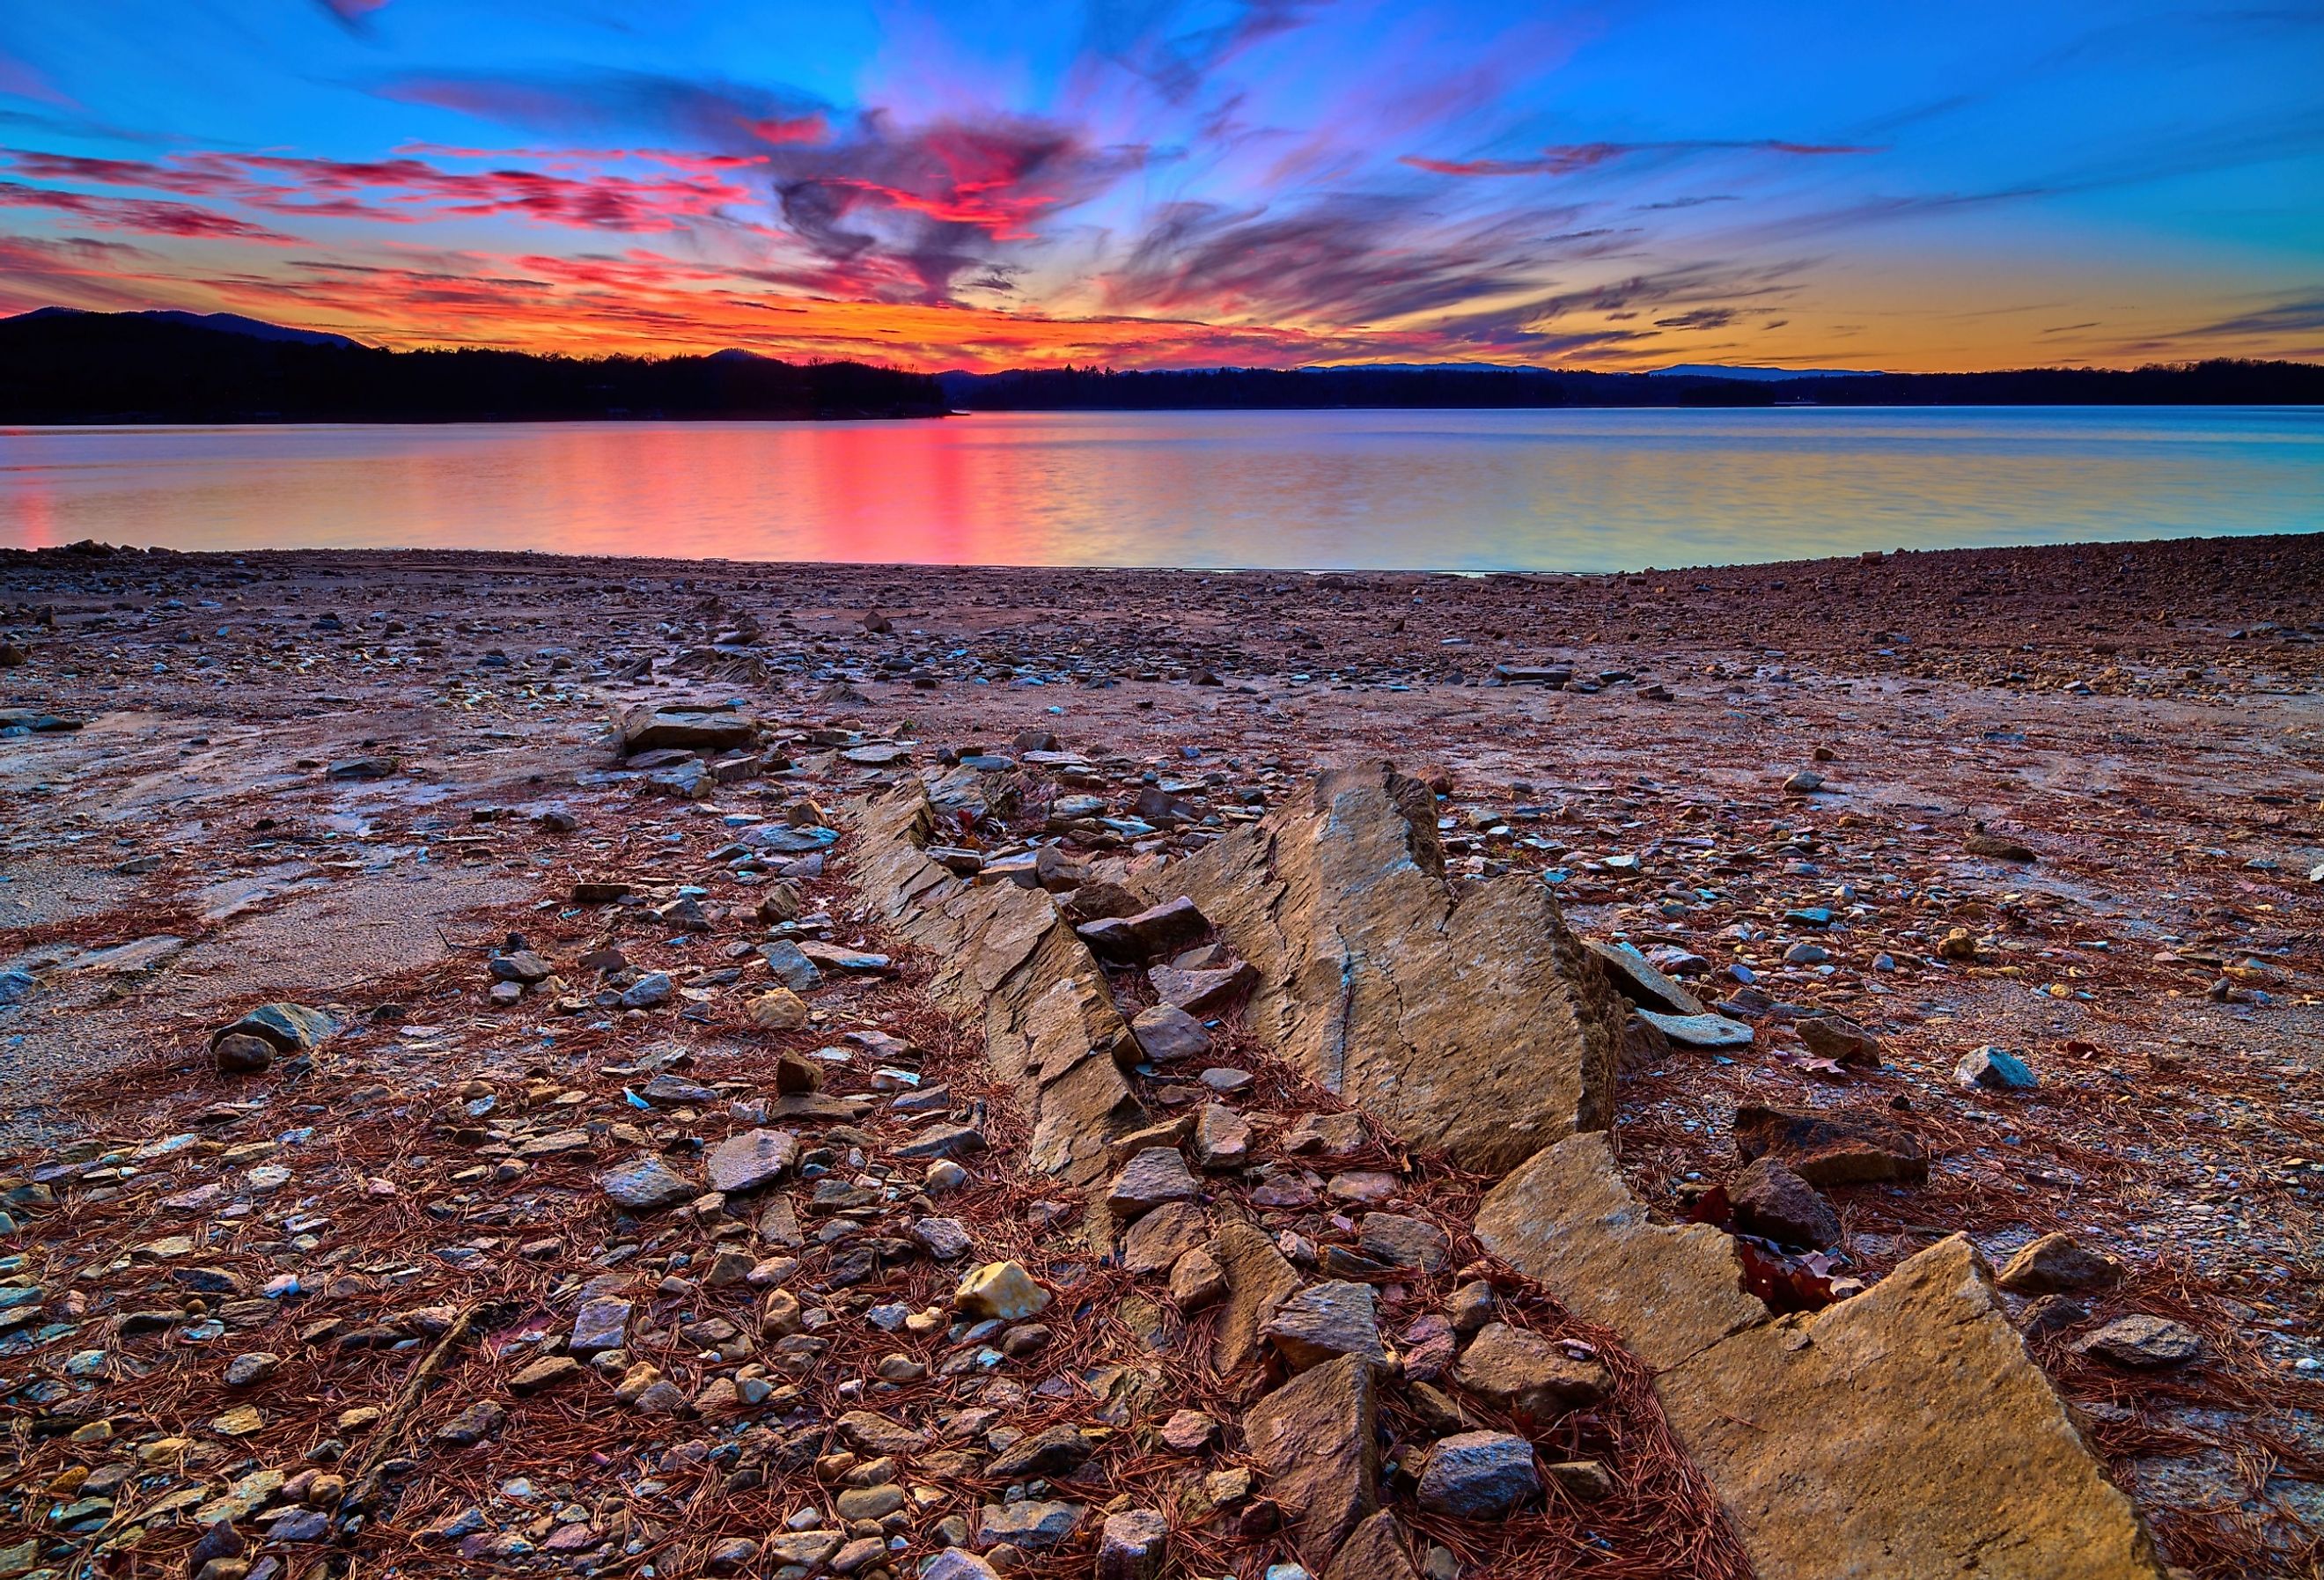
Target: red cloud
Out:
[152,215]
[404,190]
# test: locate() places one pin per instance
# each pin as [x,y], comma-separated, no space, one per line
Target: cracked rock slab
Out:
[1469,1019]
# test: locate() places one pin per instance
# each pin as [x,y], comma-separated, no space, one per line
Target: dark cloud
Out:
[2299,315]
[1155,39]
[1685,202]
[1702,318]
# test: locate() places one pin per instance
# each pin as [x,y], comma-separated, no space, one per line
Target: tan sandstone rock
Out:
[1470,1019]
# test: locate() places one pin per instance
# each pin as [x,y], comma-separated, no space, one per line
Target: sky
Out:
[1142,183]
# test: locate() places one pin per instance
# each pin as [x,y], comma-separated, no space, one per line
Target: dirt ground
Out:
[2145,721]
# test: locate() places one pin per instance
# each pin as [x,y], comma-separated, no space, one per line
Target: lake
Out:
[1560,490]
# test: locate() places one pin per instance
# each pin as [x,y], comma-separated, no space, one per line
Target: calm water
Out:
[1589,490]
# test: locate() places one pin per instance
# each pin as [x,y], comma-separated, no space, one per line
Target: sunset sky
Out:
[1146,184]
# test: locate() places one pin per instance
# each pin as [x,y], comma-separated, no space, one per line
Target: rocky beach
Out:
[602,1066]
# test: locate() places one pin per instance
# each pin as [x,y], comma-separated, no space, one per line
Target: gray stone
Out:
[1479,1476]
[1135,1546]
[1155,1176]
[1996,1068]
[1403,1242]
[754,1158]
[2143,1342]
[1033,1524]
[601,1324]
[1326,1321]
[1705,1031]
[645,1183]
[1166,1034]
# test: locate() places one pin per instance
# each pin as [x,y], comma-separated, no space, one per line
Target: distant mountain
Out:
[220,323]
[1712,370]
[58,365]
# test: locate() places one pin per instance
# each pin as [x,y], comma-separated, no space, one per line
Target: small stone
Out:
[1585,1481]
[653,989]
[1196,1280]
[1841,1040]
[1805,783]
[1403,1242]
[1033,1524]
[646,1183]
[1706,1031]
[1471,1306]
[1479,1476]
[1135,1546]
[1530,1379]
[777,1010]
[1842,1148]
[1326,1321]
[1162,1236]
[239,1054]
[601,1324]
[2056,1264]
[548,1371]
[245,1370]
[1155,1176]
[730,1556]
[479,1422]
[1189,1431]
[1056,1452]
[945,1239]
[2143,1342]
[1001,1291]
[1996,1068]
[753,1159]
[1168,1034]
[957,1564]
[1771,1201]
[1221,1140]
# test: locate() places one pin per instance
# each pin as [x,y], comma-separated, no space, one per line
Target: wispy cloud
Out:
[1566,159]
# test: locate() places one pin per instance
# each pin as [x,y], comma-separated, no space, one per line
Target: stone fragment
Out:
[1033,1524]
[1403,1242]
[777,1010]
[237,1053]
[1374,1551]
[1168,1034]
[1258,1277]
[1002,1291]
[1317,1440]
[945,1239]
[1708,1031]
[2143,1342]
[1996,847]
[1840,1039]
[2056,1264]
[1222,1140]
[1157,1240]
[548,1371]
[473,1425]
[1155,1176]
[1843,1148]
[1135,1546]
[647,728]
[646,1183]
[1772,1202]
[1585,1481]
[1326,1321]
[1189,1431]
[1997,1069]
[1466,1018]
[1205,992]
[753,1159]
[1331,1135]
[1528,1378]
[1638,980]
[1196,1280]
[1479,1476]
[601,1324]
[957,1564]
[1056,1451]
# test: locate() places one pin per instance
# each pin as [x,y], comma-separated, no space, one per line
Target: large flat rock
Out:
[1567,1219]
[1466,1017]
[1906,1431]
[1903,1432]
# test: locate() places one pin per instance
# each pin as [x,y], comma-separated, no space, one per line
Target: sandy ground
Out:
[2144,719]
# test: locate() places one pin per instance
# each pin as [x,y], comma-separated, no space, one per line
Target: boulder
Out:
[1468,1019]
[1317,1440]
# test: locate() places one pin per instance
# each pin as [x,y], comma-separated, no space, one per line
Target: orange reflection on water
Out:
[1459,490]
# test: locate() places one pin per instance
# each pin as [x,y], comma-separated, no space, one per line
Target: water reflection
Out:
[1451,490]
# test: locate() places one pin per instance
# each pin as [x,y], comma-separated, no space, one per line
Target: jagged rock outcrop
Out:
[1905,1431]
[1009,964]
[1466,1017]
